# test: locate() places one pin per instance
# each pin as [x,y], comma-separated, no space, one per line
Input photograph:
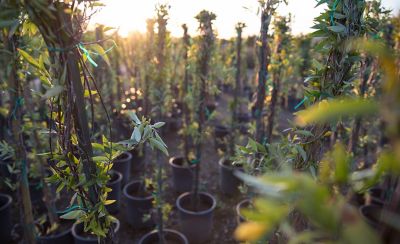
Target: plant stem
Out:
[238,87]
[20,153]
[186,112]
[264,58]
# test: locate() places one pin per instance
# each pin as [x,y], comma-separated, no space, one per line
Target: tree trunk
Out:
[262,77]
[16,99]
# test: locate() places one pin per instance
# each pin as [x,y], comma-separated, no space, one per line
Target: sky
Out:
[130,15]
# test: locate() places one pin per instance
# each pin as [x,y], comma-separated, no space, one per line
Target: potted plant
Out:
[196,208]
[182,169]
[228,181]
[160,235]
[83,237]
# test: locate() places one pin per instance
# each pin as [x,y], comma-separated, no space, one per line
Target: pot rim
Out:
[119,179]
[7,203]
[182,236]
[181,208]
[240,205]
[79,237]
[362,208]
[170,161]
[221,128]
[223,160]
[124,159]
[48,237]
[131,197]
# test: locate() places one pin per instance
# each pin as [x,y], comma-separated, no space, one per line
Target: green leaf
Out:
[134,117]
[29,58]
[100,51]
[302,152]
[304,132]
[159,125]
[75,214]
[7,23]
[158,145]
[136,134]
[54,91]
[100,159]
[337,28]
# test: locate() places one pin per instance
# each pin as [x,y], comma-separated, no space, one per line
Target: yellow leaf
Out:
[327,111]
[250,231]
[108,202]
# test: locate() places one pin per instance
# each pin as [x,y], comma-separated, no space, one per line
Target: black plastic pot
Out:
[239,207]
[220,134]
[4,169]
[138,206]
[228,182]
[4,173]
[182,174]
[196,225]
[63,237]
[137,161]
[115,194]
[248,92]
[357,199]
[122,164]
[170,236]
[293,101]
[243,118]
[36,190]
[377,196]
[83,238]
[371,214]
[5,218]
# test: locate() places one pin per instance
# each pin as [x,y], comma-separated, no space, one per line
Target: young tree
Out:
[281,39]
[204,54]
[267,9]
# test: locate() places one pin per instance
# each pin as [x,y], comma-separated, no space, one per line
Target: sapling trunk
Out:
[185,88]
[281,28]
[159,92]
[117,71]
[238,87]
[16,99]
[336,73]
[67,62]
[366,78]
[264,59]
[48,197]
[205,19]
[149,57]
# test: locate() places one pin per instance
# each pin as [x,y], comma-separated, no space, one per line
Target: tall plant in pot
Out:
[267,9]
[182,169]
[196,208]
[159,98]
[78,164]
[281,41]
[228,182]
[11,39]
